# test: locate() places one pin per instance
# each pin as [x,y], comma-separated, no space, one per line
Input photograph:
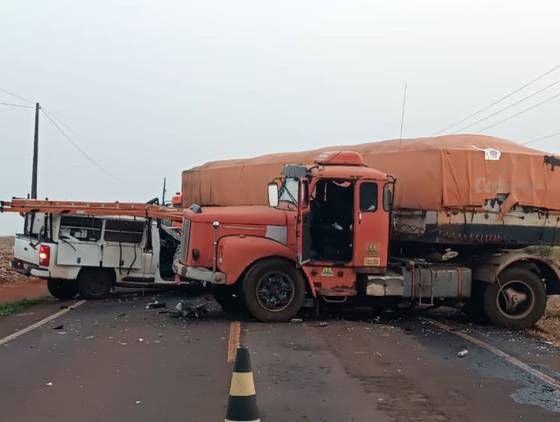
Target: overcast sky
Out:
[149,88]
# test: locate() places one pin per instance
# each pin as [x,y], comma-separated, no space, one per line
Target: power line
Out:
[520,113]
[80,150]
[16,105]
[61,122]
[19,97]
[542,138]
[505,97]
[508,107]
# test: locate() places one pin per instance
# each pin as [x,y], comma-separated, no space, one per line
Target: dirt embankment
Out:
[549,326]
[7,275]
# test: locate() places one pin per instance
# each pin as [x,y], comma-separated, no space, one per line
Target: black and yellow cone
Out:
[242,402]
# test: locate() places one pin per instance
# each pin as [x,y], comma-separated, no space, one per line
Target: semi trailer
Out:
[337,230]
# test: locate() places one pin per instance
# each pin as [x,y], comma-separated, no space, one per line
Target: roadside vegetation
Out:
[19,306]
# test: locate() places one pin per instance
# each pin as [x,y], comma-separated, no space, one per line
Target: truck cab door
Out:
[303,231]
[371,227]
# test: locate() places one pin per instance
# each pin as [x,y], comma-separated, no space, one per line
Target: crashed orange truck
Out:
[447,220]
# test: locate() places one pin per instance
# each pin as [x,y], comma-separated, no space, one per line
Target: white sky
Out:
[150,88]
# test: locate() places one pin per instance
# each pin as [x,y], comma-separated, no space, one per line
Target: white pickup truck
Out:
[89,255]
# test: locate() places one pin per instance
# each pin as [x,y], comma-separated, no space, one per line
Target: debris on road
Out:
[323,324]
[189,310]
[59,327]
[462,353]
[156,305]
[49,384]
[89,337]
[295,320]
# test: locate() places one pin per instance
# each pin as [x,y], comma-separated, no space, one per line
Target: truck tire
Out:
[228,297]
[62,289]
[95,283]
[516,300]
[273,290]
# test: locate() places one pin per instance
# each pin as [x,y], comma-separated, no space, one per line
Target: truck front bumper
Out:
[199,273]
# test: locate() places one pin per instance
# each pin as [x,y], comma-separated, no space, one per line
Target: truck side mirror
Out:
[273,195]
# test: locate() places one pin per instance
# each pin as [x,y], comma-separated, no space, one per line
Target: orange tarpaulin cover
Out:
[432,173]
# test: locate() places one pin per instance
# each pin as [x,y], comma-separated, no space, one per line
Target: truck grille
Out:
[185,240]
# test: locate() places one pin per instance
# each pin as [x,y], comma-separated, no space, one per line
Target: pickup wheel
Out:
[62,289]
[95,283]
[516,300]
[228,297]
[273,290]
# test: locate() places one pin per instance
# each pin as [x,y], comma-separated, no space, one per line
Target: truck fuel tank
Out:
[422,283]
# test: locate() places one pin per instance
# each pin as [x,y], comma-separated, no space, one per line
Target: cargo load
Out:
[449,188]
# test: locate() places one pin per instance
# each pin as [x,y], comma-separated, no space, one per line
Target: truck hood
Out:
[257,214]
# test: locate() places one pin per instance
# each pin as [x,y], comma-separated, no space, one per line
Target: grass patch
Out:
[18,306]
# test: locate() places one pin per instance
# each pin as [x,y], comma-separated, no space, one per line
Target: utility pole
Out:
[35,153]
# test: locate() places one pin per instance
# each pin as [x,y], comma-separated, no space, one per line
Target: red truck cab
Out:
[326,224]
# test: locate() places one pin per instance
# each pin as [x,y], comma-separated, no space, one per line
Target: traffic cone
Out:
[242,402]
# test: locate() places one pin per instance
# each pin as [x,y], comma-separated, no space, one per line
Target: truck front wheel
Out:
[516,300]
[62,289]
[94,283]
[273,290]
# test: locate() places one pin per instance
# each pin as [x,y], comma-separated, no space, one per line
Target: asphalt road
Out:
[115,360]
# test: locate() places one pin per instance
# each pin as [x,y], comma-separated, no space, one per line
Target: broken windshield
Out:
[289,191]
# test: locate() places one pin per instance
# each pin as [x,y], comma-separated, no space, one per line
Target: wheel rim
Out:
[275,291]
[515,299]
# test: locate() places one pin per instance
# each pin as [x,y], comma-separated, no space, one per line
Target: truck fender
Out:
[488,269]
[238,253]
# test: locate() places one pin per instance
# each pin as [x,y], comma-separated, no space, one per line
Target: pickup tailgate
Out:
[26,250]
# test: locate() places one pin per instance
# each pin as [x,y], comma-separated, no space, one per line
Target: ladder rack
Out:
[132,209]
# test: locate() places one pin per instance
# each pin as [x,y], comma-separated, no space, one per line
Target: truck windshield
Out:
[289,191]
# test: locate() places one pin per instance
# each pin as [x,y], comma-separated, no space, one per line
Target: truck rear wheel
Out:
[273,290]
[62,289]
[516,300]
[95,283]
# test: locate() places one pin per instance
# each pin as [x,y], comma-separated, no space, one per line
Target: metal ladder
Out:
[425,301]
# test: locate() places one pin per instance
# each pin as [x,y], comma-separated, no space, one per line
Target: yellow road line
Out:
[40,323]
[514,361]
[233,342]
